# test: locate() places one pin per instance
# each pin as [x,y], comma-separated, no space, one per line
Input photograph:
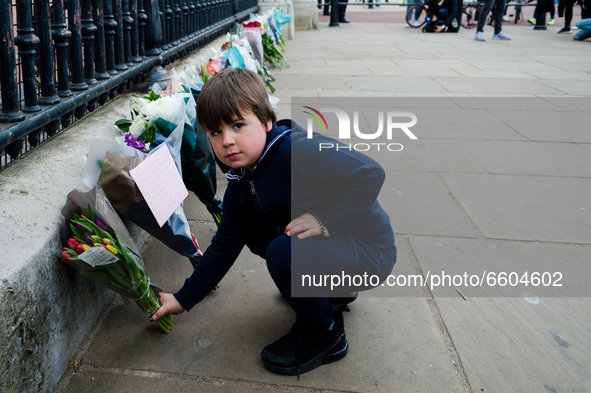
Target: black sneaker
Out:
[564,30]
[305,348]
[345,299]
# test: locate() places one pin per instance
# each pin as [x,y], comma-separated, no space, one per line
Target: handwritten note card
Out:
[160,183]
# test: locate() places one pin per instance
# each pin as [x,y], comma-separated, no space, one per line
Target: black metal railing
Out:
[59,59]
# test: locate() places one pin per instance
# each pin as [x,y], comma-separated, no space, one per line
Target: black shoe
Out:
[305,348]
[344,300]
[344,20]
[370,7]
[564,30]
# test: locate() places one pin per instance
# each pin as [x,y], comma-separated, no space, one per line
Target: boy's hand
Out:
[305,226]
[169,306]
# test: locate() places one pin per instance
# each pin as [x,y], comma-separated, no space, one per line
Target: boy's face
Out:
[240,144]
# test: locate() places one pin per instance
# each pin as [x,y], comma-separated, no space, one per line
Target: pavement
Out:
[498,180]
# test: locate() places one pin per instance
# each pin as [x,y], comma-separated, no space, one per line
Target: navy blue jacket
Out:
[341,187]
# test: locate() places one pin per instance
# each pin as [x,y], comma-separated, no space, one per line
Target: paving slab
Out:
[90,381]
[392,55]
[311,82]
[492,74]
[530,158]
[567,75]
[562,269]
[420,203]
[572,87]
[578,104]
[360,63]
[424,71]
[513,65]
[535,343]
[530,208]
[461,124]
[425,155]
[516,103]
[324,70]
[501,86]
[548,126]
[400,84]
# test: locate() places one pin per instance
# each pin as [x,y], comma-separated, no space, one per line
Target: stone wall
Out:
[46,308]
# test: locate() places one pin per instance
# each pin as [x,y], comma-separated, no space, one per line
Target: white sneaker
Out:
[406,25]
[506,18]
[501,36]
[479,36]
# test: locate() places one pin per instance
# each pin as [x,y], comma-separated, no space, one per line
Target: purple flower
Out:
[132,141]
[100,224]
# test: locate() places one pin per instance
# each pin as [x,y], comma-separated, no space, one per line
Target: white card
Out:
[160,184]
[97,255]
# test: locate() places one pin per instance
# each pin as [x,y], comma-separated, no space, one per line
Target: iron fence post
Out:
[142,19]
[169,24]
[60,35]
[154,28]
[135,39]
[46,69]
[177,22]
[76,65]
[26,41]
[185,18]
[119,36]
[88,30]
[110,26]
[8,78]
[99,41]
[127,23]
[161,11]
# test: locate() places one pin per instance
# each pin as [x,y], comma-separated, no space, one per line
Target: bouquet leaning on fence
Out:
[105,255]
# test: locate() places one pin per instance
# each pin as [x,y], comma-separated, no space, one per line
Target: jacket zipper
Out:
[254,192]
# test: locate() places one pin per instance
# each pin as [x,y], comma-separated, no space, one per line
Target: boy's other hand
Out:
[305,226]
[169,306]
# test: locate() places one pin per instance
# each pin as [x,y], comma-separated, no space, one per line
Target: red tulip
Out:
[67,259]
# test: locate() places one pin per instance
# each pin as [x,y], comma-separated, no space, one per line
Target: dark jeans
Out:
[488,5]
[317,255]
[342,9]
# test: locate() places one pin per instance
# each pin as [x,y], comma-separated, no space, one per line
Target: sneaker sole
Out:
[337,352]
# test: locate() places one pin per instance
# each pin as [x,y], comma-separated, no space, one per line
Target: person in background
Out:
[542,7]
[444,12]
[498,16]
[584,32]
[566,7]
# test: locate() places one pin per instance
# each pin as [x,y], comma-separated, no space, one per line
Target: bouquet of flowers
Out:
[271,52]
[100,248]
[156,116]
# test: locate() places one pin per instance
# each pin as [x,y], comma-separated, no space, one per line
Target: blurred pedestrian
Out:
[498,17]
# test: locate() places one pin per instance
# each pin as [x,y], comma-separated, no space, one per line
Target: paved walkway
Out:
[482,189]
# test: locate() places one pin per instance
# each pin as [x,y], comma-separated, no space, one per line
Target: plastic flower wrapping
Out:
[97,245]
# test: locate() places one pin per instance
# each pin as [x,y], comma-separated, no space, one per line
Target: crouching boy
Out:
[308,216]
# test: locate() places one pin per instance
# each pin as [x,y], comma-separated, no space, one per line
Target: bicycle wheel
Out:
[415,16]
[470,14]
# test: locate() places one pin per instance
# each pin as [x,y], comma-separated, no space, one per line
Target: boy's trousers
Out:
[318,256]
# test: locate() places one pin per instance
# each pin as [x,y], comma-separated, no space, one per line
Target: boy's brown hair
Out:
[229,93]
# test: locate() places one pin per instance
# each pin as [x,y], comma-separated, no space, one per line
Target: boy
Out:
[338,226]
